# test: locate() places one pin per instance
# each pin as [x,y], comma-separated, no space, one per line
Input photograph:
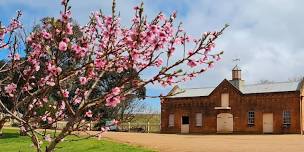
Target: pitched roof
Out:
[246,89]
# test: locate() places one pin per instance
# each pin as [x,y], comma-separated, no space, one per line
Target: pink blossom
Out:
[135,7]
[158,62]
[99,63]
[62,46]
[112,101]
[30,107]
[50,83]
[69,29]
[77,101]
[171,51]
[170,80]
[63,2]
[49,120]
[29,39]
[53,69]
[191,63]
[10,89]
[65,93]
[16,56]
[190,52]
[62,106]
[43,118]
[83,80]
[46,35]
[89,114]
[81,52]
[116,91]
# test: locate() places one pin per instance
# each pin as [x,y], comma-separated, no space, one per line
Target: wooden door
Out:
[185,125]
[267,122]
[224,123]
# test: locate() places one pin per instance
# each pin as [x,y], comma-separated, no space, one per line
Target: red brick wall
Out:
[240,104]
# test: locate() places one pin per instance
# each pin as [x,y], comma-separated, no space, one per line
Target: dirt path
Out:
[212,143]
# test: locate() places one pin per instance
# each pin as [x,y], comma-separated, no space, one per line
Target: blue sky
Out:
[267,35]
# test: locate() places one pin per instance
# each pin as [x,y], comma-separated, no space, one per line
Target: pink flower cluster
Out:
[113,98]
[10,89]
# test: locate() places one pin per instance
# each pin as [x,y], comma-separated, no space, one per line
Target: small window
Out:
[171,120]
[225,100]
[198,120]
[286,119]
[185,120]
[251,118]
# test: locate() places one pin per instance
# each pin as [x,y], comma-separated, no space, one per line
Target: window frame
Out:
[251,118]
[286,117]
[198,123]
[171,120]
[223,98]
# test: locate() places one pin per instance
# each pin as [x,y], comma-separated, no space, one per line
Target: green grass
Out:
[12,142]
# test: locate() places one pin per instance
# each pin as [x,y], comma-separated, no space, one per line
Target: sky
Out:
[267,35]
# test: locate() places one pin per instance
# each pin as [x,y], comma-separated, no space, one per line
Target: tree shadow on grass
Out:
[8,135]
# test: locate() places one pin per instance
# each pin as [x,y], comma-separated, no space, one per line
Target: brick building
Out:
[233,107]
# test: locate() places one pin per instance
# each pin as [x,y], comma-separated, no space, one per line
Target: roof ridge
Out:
[199,88]
[272,83]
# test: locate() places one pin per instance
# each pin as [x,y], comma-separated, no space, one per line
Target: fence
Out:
[125,127]
[139,127]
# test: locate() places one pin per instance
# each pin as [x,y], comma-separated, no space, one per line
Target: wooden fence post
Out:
[148,127]
[129,126]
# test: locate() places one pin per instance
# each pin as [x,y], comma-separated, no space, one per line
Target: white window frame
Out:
[251,118]
[171,120]
[225,100]
[286,118]
[199,119]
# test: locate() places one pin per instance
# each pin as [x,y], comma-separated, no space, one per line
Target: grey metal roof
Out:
[247,89]
[271,87]
[192,92]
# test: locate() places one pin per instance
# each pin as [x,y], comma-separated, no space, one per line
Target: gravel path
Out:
[212,143]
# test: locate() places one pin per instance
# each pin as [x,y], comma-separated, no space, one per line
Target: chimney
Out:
[236,78]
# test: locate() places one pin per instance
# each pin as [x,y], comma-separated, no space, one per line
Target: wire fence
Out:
[139,127]
[123,127]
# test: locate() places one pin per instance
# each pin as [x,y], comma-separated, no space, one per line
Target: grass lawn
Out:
[12,142]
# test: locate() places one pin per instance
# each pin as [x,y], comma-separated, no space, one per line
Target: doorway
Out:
[267,122]
[224,123]
[185,125]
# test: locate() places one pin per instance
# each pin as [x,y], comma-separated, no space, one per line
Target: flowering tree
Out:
[9,67]
[60,74]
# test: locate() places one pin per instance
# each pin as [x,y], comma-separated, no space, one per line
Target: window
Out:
[198,120]
[286,119]
[225,100]
[251,118]
[171,120]
[185,120]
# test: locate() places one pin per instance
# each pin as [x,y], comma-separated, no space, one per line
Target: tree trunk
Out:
[51,147]
[2,122]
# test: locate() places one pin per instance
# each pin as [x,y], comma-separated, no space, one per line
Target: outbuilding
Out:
[233,107]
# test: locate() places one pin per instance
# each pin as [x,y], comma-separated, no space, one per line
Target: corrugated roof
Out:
[271,87]
[247,89]
[192,92]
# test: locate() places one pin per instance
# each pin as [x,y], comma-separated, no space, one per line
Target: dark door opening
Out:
[185,120]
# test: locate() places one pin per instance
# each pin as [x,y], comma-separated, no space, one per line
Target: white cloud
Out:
[266,35]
